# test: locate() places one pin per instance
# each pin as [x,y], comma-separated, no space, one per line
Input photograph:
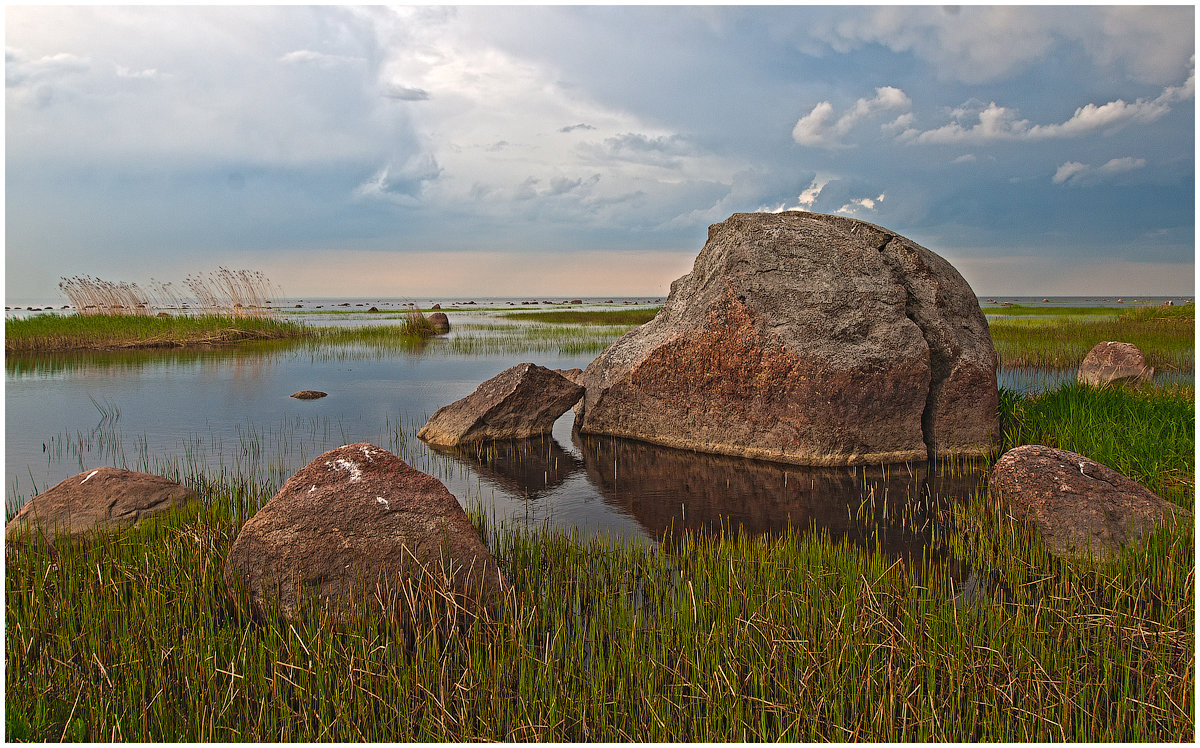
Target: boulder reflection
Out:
[669,490]
[525,467]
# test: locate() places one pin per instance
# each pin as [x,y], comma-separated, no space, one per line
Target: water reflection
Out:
[527,468]
[668,490]
[892,507]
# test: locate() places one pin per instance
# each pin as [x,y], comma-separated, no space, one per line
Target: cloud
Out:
[404,93]
[402,185]
[1076,174]
[818,128]
[862,203]
[995,123]
[977,44]
[320,59]
[663,151]
[572,128]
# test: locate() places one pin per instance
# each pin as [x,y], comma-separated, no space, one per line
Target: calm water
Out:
[230,410]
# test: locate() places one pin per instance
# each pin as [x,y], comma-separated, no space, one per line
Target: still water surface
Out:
[230,410]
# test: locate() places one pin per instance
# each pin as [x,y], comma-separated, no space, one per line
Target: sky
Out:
[584,150]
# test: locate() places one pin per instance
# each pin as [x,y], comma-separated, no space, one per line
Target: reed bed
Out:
[1060,338]
[225,292]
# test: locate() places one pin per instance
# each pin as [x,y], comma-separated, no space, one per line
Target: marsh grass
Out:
[622,317]
[1060,338]
[709,637]
[1147,435]
[44,333]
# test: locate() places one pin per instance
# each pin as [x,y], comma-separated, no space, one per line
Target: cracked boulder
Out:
[519,402]
[359,527]
[809,339]
[1080,507]
[100,500]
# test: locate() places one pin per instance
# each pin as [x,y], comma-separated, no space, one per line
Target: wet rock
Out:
[1079,506]
[1113,362]
[308,395]
[575,301]
[436,306]
[373,309]
[810,339]
[104,499]
[351,529]
[517,403]
[440,322]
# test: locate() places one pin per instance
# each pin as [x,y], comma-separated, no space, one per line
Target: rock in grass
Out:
[810,339]
[308,395]
[1079,506]
[353,528]
[1112,362]
[517,403]
[440,322]
[104,499]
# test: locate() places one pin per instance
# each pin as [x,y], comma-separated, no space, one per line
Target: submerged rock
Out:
[103,499]
[1112,362]
[1080,507]
[517,403]
[810,339]
[352,528]
[308,395]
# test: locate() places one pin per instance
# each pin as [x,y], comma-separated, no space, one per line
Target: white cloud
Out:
[818,128]
[320,59]
[977,44]
[862,203]
[995,123]
[1076,174]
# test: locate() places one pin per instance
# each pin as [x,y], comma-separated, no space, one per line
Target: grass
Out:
[708,637]
[1060,338]
[625,317]
[48,332]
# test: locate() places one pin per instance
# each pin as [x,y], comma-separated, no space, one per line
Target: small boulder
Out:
[308,395]
[1078,505]
[436,306]
[440,322]
[351,528]
[1111,362]
[103,499]
[373,309]
[517,403]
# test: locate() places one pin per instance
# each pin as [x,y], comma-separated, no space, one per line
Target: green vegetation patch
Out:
[1060,338]
[51,332]
[1148,435]
[629,317]
[707,637]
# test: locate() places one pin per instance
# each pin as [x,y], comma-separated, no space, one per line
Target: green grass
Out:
[1060,338]
[629,317]
[704,638]
[1147,435]
[50,332]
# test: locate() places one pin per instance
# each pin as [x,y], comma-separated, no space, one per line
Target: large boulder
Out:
[1080,507]
[1112,362]
[99,500]
[352,528]
[810,339]
[517,403]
